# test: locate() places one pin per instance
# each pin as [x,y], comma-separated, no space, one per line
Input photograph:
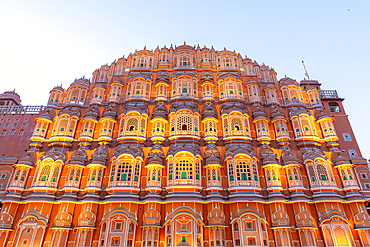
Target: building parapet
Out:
[27,109]
[329,94]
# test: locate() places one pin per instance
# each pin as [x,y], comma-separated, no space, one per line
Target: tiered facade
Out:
[189,146]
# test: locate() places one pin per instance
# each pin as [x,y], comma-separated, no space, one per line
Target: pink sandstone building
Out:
[186,146]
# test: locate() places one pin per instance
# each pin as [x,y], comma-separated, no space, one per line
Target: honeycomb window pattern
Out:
[184,169]
[184,123]
[124,171]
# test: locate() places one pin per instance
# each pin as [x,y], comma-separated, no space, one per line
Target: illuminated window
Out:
[184,169]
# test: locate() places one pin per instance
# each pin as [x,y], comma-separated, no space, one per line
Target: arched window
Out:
[73,177]
[161,90]
[115,93]
[47,173]
[76,95]
[65,126]
[230,88]
[245,170]
[334,107]
[347,176]
[294,176]
[320,173]
[281,128]
[158,127]
[138,88]
[106,127]
[87,129]
[213,176]
[253,93]
[236,124]
[210,127]
[271,95]
[95,176]
[19,178]
[41,127]
[262,128]
[54,98]
[186,169]
[184,86]
[125,172]
[207,91]
[132,125]
[327,128]
[304,126]
[314,97]
[184,122]
[119,69]
[272,176]
[97,95]
[292,94]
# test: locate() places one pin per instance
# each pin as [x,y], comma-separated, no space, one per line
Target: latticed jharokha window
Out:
[41,128]
[161,90]
[184,86]
[184,123]
[230,88]
[245,171]
[294,176]
[262,128]
[20,176]
[184,169]
[98,95]
[303,125]
[158,128]
[231,172]
[320,173]
[327,128]
[210,128]
[271,95]
[65,126]
[314,97]
[76,95]
[253,92]
[95,176]
[213,174]
[236,124]
[47,174]
[138,88]
[170,170]
[106,128]
[281,128]
[272,174]
[124,171]
[207,90]
[115,92]
[88,128]
[132,124]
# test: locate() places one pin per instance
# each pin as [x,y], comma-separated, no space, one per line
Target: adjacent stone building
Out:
[189,146]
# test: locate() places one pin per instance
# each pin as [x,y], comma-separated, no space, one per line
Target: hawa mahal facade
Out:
[188,146]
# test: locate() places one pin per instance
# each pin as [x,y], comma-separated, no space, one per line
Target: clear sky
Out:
[48,43]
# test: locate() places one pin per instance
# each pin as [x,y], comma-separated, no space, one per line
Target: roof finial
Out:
[184,43]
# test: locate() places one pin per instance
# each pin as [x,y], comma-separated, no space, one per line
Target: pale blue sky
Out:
[47,43]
